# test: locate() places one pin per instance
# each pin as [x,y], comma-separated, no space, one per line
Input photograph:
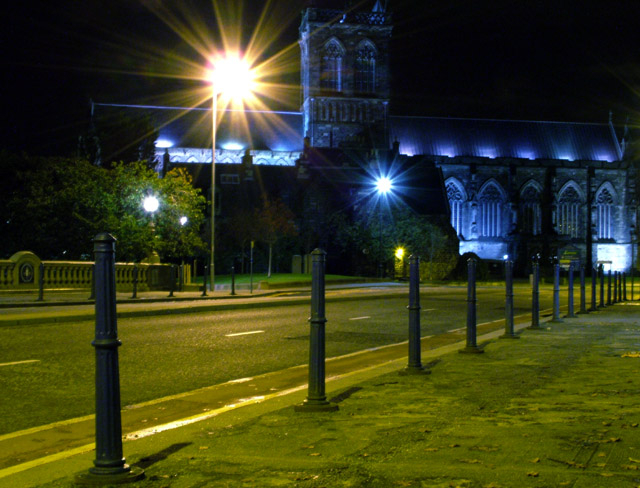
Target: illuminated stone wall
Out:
[521,207]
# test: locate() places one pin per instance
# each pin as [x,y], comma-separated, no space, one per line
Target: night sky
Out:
[516,59]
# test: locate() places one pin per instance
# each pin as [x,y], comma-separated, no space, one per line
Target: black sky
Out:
[536,60]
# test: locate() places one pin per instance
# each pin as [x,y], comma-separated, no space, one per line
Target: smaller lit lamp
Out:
[150,204]
[399,265]
[183,220]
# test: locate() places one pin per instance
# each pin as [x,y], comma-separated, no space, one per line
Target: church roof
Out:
[191,127]
[439,136]
[429,136]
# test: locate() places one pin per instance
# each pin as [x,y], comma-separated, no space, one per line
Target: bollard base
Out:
[509,336]
[323,406]
[556,321]
[471,350]
[414,370]
[130,475]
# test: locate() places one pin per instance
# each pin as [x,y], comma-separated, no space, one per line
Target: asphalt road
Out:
[52,375]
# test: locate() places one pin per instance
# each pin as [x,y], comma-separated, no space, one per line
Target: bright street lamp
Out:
[384,185]
[233,78]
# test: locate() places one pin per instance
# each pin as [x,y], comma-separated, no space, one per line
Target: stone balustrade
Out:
[21,272]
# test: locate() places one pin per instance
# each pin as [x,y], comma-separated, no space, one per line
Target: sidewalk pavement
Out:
[559,407]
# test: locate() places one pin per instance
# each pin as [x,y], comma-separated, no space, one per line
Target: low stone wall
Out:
[22,272]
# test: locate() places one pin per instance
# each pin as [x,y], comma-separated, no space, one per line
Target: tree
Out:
[241,226]
[55,206]
[369,236]
[275,220]
[141,233]
[51,206]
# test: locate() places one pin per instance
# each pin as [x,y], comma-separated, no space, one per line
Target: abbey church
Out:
[514,188]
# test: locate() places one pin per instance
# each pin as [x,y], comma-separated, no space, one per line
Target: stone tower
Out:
[345,77]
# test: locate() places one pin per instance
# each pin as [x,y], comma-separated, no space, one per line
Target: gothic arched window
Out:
[331,72]
[491,203]
[365,72]
[568,212]
[456,201]
[530,215]
[604,207]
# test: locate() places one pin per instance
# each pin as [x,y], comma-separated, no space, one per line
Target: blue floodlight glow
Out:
[525,153]
[232,146]
[384,185]
[163,143]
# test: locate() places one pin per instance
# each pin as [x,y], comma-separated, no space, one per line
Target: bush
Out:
[461,270]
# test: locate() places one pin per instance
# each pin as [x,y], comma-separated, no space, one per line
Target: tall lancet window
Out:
[604,207]
[456,201]
[491,205]
[331,73]
[530,215]
[568,213]
[365,72]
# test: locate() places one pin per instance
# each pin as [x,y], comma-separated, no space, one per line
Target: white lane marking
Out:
[21,362]
[456,330]
[245,333]
[361,318]
[240,380]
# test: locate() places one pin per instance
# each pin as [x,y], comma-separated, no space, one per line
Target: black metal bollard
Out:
[509,332]
[316,399]
[583,291]
[619,286]
[570,312]
[535,296]
[594,286]
[134,294]
[624,286]
[556,294]
[472,346]
[109,465]
[609,301]
[172,279]
[632,283]
[233,280]
[92,294]
[601,272]
[40,283]
[204,282]
[615,287]
[414,366]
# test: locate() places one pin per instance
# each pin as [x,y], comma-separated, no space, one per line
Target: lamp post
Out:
[151,205]
[232,77]
[214,124]
[383,186]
